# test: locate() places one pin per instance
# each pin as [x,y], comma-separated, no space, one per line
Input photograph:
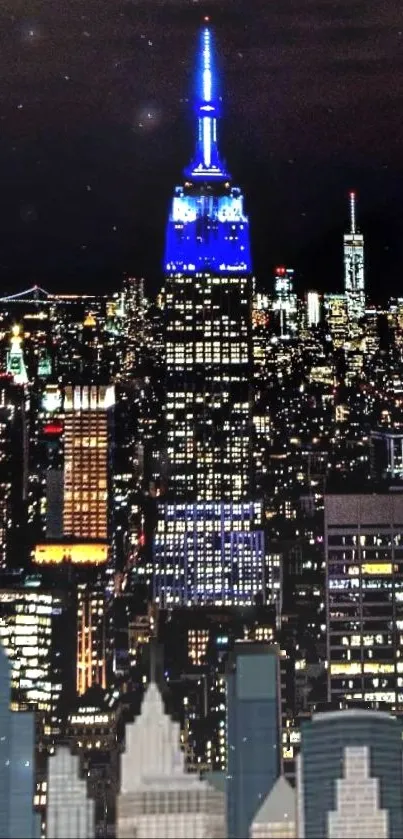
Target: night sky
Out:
[95,130]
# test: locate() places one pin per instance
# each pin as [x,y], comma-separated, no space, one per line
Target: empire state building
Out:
[208,545]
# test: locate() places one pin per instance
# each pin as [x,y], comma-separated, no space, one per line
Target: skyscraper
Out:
[15,358]
[206,527]
[354,278]
[364,597]
[86,461]
[350,776]
[17,744]
[285,302]
[313,308]
[13,473]
[34,630]
[91,635]
[158,797]
[253,732]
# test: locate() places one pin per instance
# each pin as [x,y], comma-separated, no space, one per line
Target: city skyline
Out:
[295,140]
[201,493]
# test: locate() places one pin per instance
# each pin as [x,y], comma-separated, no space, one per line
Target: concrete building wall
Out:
[70,813]
[358,813]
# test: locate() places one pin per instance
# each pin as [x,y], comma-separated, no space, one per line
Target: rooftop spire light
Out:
[207,164]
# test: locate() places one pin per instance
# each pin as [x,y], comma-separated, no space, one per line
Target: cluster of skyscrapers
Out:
[201,543]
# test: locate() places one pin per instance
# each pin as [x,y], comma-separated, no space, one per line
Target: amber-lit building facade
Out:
[86,460]
[91,637]
[80,547]
[76,553]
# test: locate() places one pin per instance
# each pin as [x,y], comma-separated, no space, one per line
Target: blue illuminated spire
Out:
[207,164]
[208,230]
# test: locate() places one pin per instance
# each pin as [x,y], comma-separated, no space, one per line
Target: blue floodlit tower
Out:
[208,545]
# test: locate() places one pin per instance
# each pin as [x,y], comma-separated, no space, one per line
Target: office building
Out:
[158,797]
[313,308]
[209,552]
[277,817]
[209,361]
[364,597]
[26,636]
[17,770]
[354,277]
[14,408]
[386,454]
[336,314]
[70,812]
[34,630]
[94,734]
[87,447]
[285,302]
[132,308]
[91,635]
[15,358]
[350,781]
[80,569]
[253,732]
[196,643]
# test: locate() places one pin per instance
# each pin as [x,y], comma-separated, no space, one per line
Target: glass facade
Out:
[324,741]
[17,742]
[253,725]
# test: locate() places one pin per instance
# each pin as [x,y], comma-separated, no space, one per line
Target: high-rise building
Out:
[208,342]
[34,630]
[336,313]
[132,308]
[354,277]
[313,308]
[17,748]
[26,634]
[350,776]
[13,474]
[91,635]
[94,734]
[209,552]
[86,461]
[15,358]
[196,643]
[386,454]
[70,812]
[158,797]
[253,731]
[285,302]
[364,597]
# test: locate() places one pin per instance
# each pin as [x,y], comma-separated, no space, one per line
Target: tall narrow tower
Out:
[206,545]
[354,278]
[15,358]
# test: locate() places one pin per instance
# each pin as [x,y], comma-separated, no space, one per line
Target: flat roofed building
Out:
[364,597]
